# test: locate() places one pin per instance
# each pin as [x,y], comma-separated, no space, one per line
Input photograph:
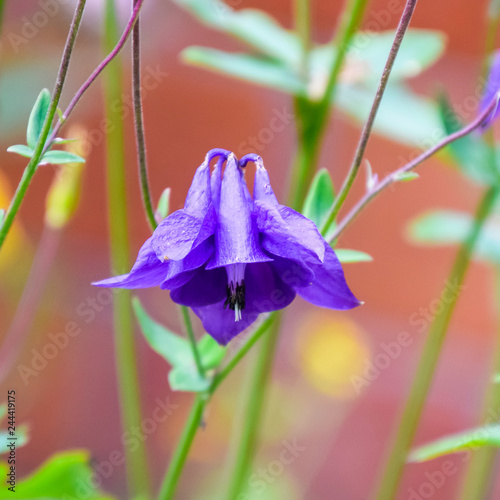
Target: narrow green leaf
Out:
[253,27]
[60,140]
[445,227]
[320,198]
[246,67]
[37,117]
[2,216]
[211,352]
[21,149]
[406,176]
[461,441]
[347,256]
[175,349]
[60,158]
[163,205]
[474,157]
[62,476]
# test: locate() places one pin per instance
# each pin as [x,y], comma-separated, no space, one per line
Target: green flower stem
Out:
[429,359]
[256,335]
[139,124]
[479,475]
[137,469]
[174,471]
[303,29]
[246,445]
[313,115]
[365,135]
[30,169]
[2,12]
[179,457]
[192,339]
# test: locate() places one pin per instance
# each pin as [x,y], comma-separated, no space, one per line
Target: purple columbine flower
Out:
[491,91]
[231,257]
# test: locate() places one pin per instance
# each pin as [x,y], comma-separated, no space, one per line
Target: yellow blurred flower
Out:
[332,350]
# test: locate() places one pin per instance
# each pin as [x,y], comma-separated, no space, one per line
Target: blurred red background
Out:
[72,403]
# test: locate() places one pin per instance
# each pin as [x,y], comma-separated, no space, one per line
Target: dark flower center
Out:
[235,289]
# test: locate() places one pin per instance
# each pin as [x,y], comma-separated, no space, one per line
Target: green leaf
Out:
[447,227]
[420,49]
[253,27]
[60,140]
[474,438]
[62,476]
[392,118]
[175,349]
[21,149]
[60,158]
[347,256]
[2,215]
[246,67]
[406,176]
[37,117]
[320,198]
[163,204]
[184,375]
[187,379]
[211,353]
[475,158]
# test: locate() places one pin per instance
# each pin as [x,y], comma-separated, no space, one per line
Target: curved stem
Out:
[139,124]
[40,148]
[430,355]
[179,457]
[396,175]
[126,361]
[365,135]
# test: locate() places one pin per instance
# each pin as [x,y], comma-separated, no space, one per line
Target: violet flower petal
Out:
[288,234]
[147,271]
[204,288]
[220,323]
[181,271]
[491,89]
[329,288]
[183,230]
[236,238]
[265,290]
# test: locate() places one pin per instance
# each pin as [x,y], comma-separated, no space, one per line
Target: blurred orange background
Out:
[342,429]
